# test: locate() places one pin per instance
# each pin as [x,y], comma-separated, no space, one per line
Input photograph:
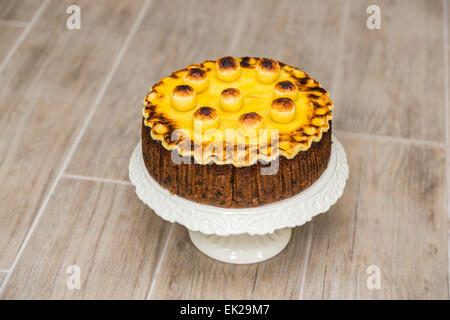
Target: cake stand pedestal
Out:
[246,235]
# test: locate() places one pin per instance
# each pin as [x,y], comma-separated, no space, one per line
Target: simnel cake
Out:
[237,133]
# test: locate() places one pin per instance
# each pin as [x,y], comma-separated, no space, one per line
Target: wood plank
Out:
[2,277]
[447,106]
[22,10]
[282,277]
[46,92]
[8,37]
[187,32]
[305,34]
[105,230]
[392,216]
[390,81]
[147,63]
[186,273]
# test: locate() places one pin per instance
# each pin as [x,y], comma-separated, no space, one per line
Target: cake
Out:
[237,133]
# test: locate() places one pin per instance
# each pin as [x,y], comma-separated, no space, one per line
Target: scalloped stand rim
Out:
[246,235]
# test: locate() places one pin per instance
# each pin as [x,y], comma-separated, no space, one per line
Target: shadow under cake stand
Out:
[246,235]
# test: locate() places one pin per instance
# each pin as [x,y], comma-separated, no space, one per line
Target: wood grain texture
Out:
[102,228]
[177,33]
[186,273]
[390,81]
[46,92]
[447,106]
[8,37]
[2,277]
[282,277]
[22,10]
[392,215]
[305,34]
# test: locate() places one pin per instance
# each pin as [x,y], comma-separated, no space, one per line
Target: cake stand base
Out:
[242,248]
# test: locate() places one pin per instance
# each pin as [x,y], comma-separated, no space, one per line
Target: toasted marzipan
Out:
[313,111]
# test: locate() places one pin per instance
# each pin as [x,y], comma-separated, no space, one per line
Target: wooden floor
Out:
[70,103]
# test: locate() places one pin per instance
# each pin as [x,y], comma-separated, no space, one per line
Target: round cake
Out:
[237,133]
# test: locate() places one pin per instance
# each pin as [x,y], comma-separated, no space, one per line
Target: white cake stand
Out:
[243,235]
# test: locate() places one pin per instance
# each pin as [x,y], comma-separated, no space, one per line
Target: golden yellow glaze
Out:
[312,112]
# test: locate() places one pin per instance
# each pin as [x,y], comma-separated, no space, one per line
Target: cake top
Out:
[237,111]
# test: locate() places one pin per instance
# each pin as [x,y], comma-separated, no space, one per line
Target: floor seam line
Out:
[13,23]
[391,138]
[102,91]
[446,115]
[24,34]
[160,262]
[345,14]
[96,179]
[305,264]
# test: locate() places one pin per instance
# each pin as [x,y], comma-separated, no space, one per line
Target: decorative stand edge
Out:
[207,219]
[243,235]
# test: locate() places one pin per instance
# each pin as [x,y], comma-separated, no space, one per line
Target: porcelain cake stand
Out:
[243,235]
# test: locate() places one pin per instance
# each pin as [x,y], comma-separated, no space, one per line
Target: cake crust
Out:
[230,186]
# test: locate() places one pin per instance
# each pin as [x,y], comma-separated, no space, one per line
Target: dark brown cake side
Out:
[232,187]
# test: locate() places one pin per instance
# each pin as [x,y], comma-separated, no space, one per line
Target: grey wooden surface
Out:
[70,103]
